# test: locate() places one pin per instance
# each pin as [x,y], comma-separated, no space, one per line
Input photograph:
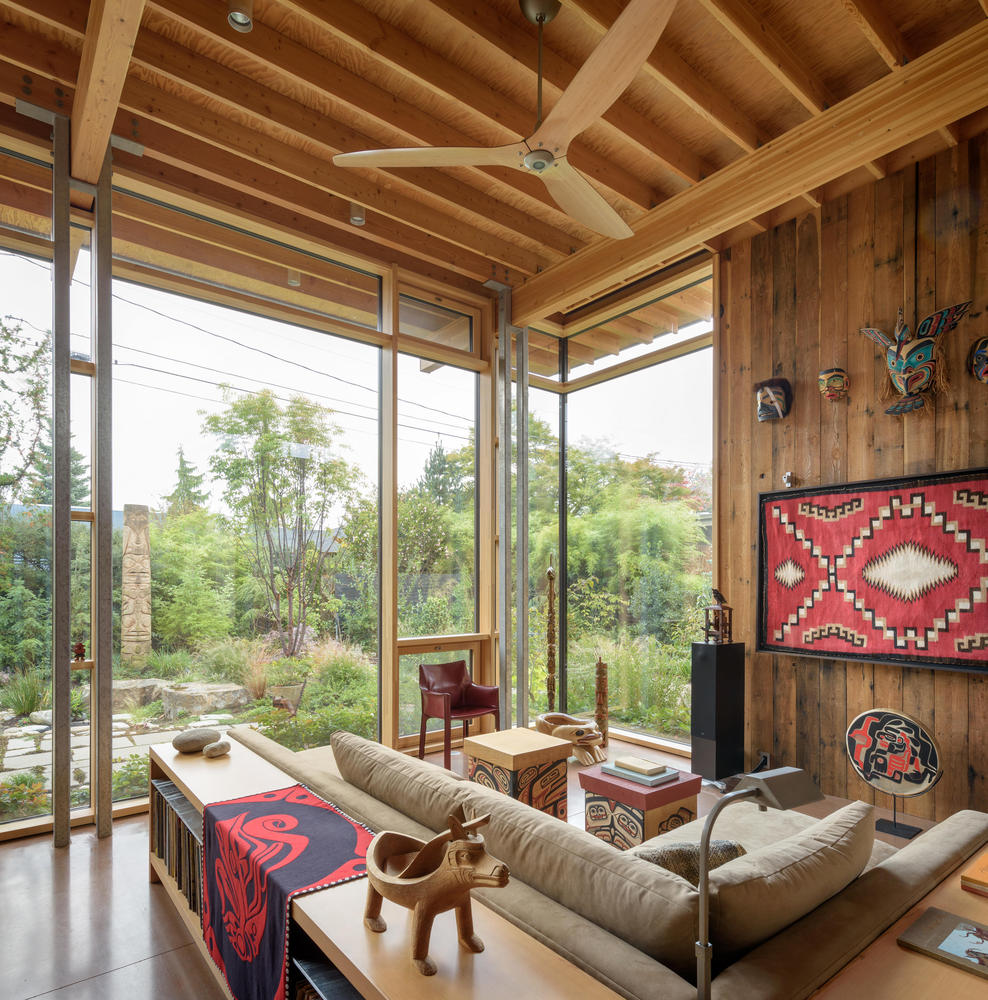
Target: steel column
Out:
[61,480]
[521,530]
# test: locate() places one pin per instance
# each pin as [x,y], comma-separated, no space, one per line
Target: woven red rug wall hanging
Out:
[894,570]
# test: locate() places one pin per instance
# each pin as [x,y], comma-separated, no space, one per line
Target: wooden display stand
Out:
[625,813]
[524,764]
[341,955]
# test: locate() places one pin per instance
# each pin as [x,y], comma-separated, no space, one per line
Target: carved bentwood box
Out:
[526,765]
[625,813]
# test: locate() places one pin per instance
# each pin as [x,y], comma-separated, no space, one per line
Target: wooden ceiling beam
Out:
[503,35]
[938,87]
[886,39]
[382,42]
[276,114]
[111,29]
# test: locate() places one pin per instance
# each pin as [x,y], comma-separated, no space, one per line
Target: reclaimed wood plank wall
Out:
[791,302]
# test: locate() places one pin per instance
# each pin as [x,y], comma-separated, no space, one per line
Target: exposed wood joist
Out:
[938,87]
[764,43]
[111,30]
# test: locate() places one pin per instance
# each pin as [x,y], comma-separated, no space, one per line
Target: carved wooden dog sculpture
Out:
[438,878]
[582,733]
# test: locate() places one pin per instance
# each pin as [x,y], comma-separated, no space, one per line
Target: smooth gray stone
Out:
[194,740]
[218,749]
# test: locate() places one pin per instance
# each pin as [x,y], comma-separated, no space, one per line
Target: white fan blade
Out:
[606,74]
[436,156]
[574,194]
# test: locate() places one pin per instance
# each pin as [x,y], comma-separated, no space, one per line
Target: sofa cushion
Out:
[641,903]
[422,791]
[757,895]
[684,859]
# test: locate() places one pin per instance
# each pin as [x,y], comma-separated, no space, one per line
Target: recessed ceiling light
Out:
[241,15]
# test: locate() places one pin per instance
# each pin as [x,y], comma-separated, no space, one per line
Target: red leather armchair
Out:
[448,693]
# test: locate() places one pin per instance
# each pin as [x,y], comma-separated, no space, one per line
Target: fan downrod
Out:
[539,11]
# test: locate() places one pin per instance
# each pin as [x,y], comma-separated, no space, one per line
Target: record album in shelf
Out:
[893,570]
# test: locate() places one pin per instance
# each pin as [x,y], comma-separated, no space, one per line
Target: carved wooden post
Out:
[601,713]
[135,590]
[550,641]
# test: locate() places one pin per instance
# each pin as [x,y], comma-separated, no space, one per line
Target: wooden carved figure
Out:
[586,738]
[431,878]
[913,362]
[600,695]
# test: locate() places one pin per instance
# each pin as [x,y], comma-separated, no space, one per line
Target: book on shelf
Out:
[669,774]
[974,878]
[955,940]
[641,765]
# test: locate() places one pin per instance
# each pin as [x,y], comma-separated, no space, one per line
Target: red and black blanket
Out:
[259,851]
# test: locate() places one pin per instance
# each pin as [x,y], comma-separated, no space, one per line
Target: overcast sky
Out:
[172,354]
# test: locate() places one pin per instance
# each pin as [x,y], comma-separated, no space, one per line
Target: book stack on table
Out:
[645,772]
[974,878]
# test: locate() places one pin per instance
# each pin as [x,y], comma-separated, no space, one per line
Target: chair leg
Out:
[447,735]
[422,737]
[497,720]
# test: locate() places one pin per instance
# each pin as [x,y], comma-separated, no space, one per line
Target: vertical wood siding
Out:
[792,301]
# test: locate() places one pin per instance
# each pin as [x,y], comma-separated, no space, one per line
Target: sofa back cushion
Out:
[755,896]
[647,906]
[422,791]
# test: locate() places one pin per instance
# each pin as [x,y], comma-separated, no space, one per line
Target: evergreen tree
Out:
[188,494]
[39,479]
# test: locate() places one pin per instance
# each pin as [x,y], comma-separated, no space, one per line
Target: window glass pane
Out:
[437,520]
[80,635]
[543,533]
[409,697]
[639,496]
[245,497]
[435,323]
[25,539]
[80,301]
[543,354]
[81,453]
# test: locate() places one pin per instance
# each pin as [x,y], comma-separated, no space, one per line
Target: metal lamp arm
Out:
[703,947]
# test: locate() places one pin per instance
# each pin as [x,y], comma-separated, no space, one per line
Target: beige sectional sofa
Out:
[805,899]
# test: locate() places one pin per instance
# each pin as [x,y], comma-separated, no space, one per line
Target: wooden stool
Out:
[526,765]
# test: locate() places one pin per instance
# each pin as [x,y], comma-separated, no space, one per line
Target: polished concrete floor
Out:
[84,923]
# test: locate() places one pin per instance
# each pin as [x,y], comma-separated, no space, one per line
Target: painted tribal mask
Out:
[979,359]
[774,398]
[833,383]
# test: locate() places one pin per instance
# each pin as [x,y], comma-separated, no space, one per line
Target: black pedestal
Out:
[717,716]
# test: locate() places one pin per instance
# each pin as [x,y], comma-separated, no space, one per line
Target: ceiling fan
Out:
[597,85]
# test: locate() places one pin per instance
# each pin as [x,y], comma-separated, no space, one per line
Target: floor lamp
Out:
[781,788]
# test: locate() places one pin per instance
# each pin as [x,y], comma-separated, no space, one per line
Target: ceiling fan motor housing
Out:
[539,160]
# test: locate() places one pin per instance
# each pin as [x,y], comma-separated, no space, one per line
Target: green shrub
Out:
[152,710]
[25,693]
[130,776]
[314,729]
[23,796]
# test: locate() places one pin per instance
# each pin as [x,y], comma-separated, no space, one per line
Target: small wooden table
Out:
[626,813]
[887,969]
[524,764]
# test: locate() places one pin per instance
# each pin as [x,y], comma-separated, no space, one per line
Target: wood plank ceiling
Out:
[746,113]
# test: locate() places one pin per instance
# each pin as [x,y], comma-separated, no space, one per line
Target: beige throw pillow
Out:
[754,897]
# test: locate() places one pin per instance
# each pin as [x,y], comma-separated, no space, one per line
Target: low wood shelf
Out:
[341,958]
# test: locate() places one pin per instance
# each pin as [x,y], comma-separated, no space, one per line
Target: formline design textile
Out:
[259,852]
[894,570]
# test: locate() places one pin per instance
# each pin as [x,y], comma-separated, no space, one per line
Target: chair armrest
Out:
[481,695]
[436,704]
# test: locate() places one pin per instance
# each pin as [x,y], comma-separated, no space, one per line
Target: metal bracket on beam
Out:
[126,145]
